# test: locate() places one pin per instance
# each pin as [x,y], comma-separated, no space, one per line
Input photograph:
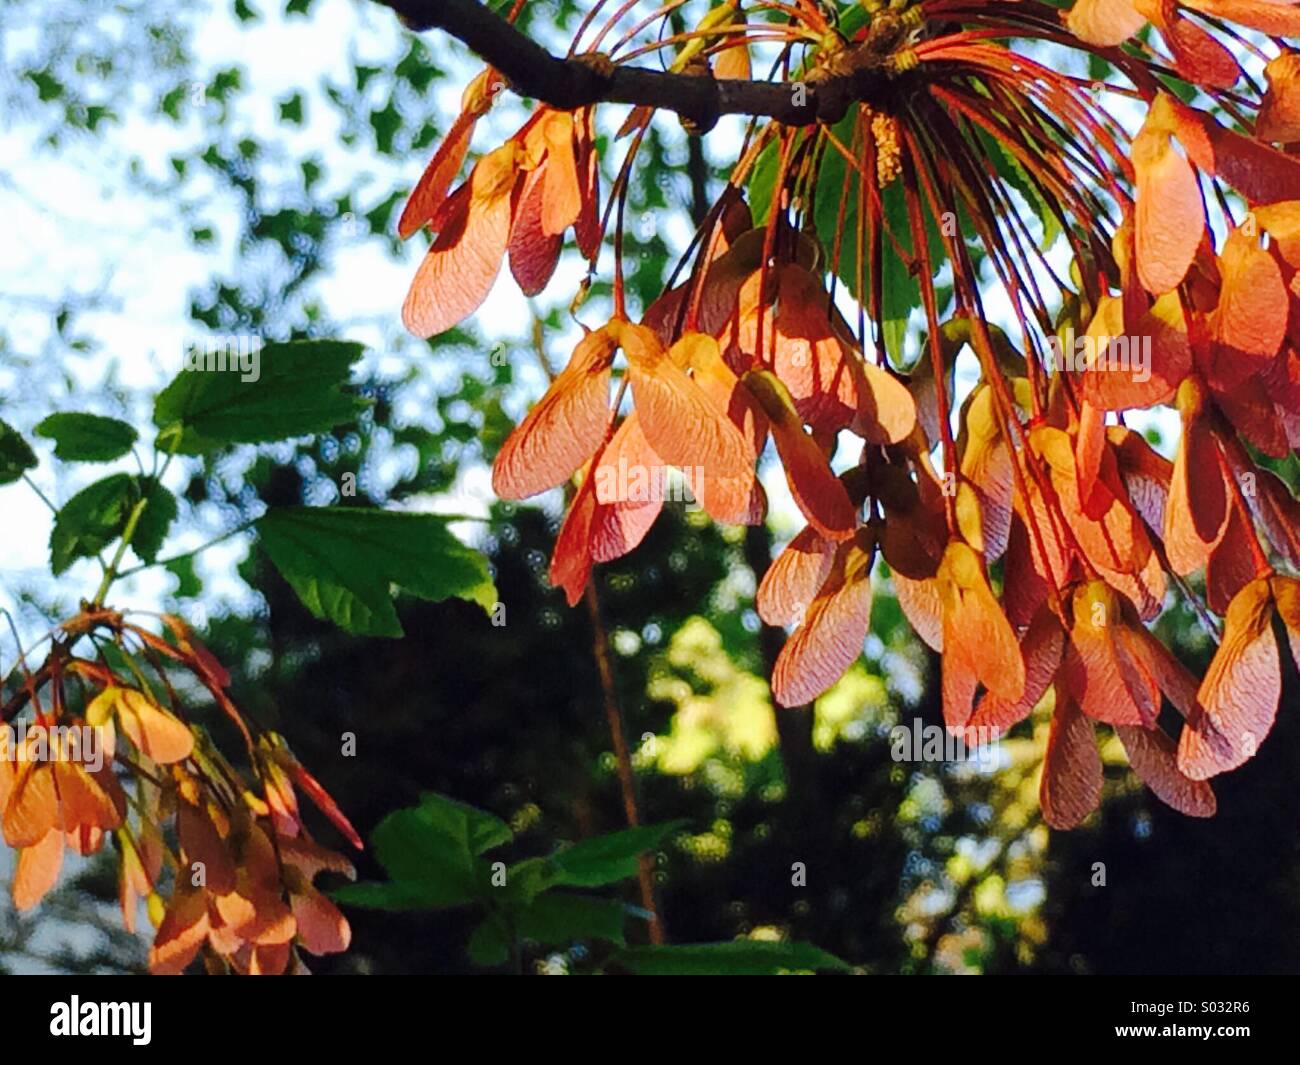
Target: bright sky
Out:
[77,225]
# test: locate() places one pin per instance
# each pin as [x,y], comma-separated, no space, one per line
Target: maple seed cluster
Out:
[1039,554]
[224,865]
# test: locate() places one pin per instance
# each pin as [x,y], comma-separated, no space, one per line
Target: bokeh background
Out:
[171,171]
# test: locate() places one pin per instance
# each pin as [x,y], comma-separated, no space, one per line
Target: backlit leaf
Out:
[344,561]
[87,437]
[299,390]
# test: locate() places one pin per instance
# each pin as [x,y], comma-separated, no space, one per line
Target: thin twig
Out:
[609,694]
[626,780]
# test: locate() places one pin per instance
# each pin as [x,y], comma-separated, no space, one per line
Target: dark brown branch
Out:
[571,83]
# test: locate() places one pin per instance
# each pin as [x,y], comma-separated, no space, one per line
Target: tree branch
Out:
[626,776]
[572,83]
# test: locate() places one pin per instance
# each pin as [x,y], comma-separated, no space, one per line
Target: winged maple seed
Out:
[1036,544]
[222,860]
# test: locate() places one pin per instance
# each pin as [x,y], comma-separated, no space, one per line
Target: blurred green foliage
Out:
[789,829]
